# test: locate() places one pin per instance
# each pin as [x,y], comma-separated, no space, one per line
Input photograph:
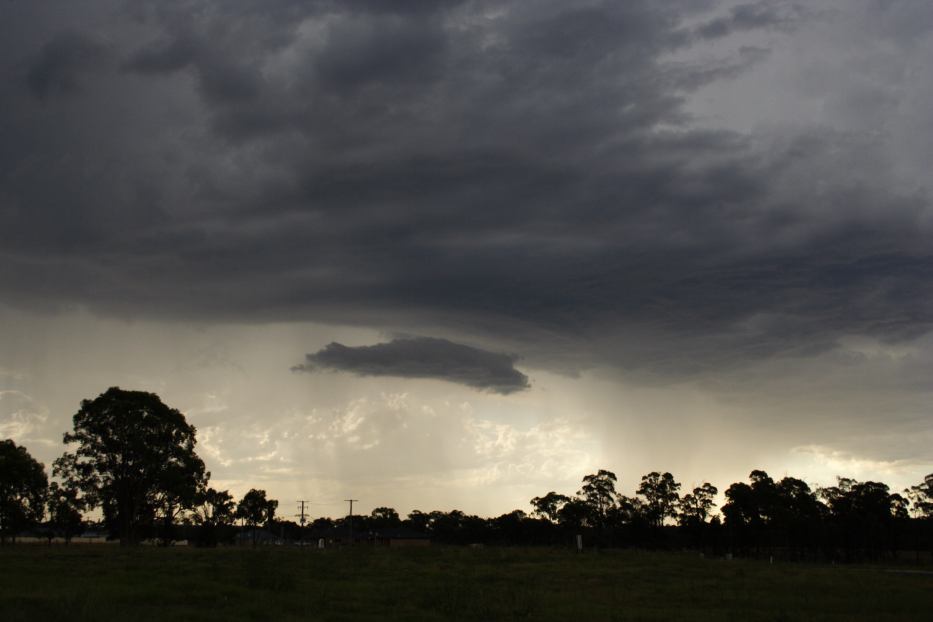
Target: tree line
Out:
[133,458]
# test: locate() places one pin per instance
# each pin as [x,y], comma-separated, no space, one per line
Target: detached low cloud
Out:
[423,357]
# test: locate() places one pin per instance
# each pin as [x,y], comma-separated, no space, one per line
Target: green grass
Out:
[99,582]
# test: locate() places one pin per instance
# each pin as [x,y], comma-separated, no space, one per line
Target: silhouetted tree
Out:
[213,513]
[599,494]
[741,514]
[254,510]
[661,496]
[473,528]
[23,486]
[214,507]
[900,506]
[574,514]
[765,495]
[694,508]
[65,509]
[750,511]
[321,528]
[549,505]
[448,526]
[183,484]
[796,516]
[418,520]
[514,527]
[134,458]
[382,518]
[921,497]
[863,513]
[631,510]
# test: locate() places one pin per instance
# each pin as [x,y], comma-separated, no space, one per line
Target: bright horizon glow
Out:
[403,443]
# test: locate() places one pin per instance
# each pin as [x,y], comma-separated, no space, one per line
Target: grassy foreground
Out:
[100,582]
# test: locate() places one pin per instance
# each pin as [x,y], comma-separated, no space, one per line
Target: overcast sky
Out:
[461,253]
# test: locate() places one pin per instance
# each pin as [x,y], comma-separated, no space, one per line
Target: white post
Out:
[580,543]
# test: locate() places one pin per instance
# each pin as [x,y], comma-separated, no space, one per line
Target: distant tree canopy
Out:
[255,509]
[695,507]
[22,489]
[661,496]
[213,514]
[549,506]
[850,522]
[384,517]
[599,495]
[134,458]
[214,507]
[921,497]
[65,511]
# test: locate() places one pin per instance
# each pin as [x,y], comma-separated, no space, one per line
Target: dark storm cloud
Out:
[163,57]
[524,173]
[62,62]
[423,357]
[752,16]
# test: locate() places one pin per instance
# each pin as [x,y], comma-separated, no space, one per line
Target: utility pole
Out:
[301,517]
[351,518]
[301,520]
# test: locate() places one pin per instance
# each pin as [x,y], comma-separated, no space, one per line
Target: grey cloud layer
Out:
[522,171]
[423,357]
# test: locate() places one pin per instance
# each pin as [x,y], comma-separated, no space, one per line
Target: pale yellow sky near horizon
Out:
[427,444]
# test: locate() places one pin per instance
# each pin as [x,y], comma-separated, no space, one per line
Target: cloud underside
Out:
[525,173]
[423,357]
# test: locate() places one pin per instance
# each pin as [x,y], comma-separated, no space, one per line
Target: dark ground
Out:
[104,582]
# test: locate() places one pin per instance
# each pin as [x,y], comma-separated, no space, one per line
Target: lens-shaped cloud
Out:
[423,357]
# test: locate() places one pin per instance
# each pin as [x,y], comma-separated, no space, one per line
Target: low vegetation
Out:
[100,582]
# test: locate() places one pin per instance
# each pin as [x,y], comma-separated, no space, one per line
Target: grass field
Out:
[100,582]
